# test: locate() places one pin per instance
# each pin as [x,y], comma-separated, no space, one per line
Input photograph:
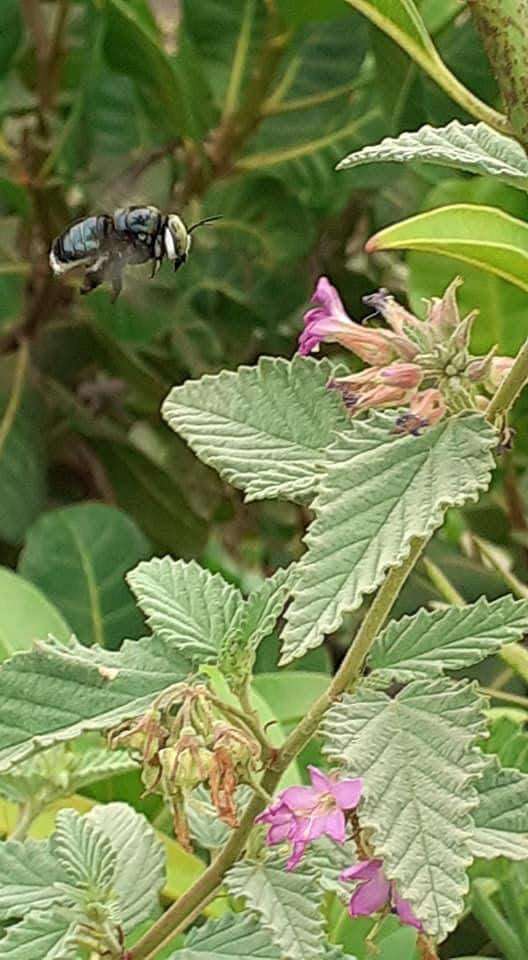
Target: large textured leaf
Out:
[235,935]
[501,820]
[416,753]
[429,643]
[28,871]
[264,428]
[473,147]
[26,615]
[140,861]
[61,772]
[186,605]
[289,904]
[83,851]
[58,690]
[379,492]
[482,236]
[40,936]
[78,556]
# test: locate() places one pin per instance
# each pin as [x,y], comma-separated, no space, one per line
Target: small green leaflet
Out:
[380,491]
[84,852]
[186,605]
[265,429]
[417,755]
[253,622]
[473,147]
[77,689]
[501,819]
[289,905]
[427,644]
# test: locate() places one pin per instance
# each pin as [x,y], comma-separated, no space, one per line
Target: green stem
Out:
[239,60]
[506,696]
[494,924]
[25,819]
[177,916]
[517,587]
[442,584]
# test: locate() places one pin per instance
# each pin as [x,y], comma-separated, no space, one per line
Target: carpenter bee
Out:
[105,244]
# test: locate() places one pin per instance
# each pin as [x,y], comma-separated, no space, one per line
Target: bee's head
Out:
[177,238]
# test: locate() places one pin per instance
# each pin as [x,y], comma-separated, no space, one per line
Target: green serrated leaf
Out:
[59,772]
[476,148]
[289,904]
[40,936]
[28,873]
[84,851]
[255,620]
[380,491]
[429,643]
[234,935]
[501,819]
[264,428]
[328,860]
[186,605]
[78,689]
[78,556]
[418,758]
[139,861]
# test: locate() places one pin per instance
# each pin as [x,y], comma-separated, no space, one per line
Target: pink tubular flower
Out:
[303,814]
[329,322]
[404,375]
[374,891]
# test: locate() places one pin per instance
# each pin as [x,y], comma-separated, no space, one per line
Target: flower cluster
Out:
[185,740]
[425,366]
[300,815]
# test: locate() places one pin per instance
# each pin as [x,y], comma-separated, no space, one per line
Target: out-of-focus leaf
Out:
[419,812]
[481,236]
[78,556]
[290,694]
[26,615]
[186,605]
[379,492]
[297,13]
[132,47]
[235,422]
[153,498]
[472,147]
[10,34]
[78,689]
[502,306]
[22,456]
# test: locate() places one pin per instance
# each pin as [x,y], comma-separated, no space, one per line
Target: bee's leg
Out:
[94,276]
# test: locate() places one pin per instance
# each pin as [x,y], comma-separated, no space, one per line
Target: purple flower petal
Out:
[296,856]
[320,781]
[327,296]
[300,799]
[370,896]
[333,825]
[280,832]
[405,912]
[347,793]
[364,870]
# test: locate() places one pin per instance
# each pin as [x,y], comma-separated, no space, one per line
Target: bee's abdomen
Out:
[82,240]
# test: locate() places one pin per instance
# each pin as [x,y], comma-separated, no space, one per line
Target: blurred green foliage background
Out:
[233,107]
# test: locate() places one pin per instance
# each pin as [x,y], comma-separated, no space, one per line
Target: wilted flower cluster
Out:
[185,740]
[302,814]
[424,365]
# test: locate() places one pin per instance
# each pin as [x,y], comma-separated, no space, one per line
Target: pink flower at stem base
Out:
[302,814]
[375,891]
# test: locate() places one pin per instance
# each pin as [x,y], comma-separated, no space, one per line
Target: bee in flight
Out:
[105,244]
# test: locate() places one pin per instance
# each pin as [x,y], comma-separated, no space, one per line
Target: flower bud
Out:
[443,315]
[480,368]
[500,367]
[404,375]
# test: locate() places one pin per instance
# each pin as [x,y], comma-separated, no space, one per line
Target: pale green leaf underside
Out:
[140,861]
[476,148]
[265,429]
[234,935]
[288,904]
[84,852]
[28,872]
[57,691]
[429,643]
[380,491]
[78,770]
[185,605]
[256,618]
[501,820]
[40,936]
[416,753]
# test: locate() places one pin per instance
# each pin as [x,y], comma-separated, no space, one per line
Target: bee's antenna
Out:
[201,223]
